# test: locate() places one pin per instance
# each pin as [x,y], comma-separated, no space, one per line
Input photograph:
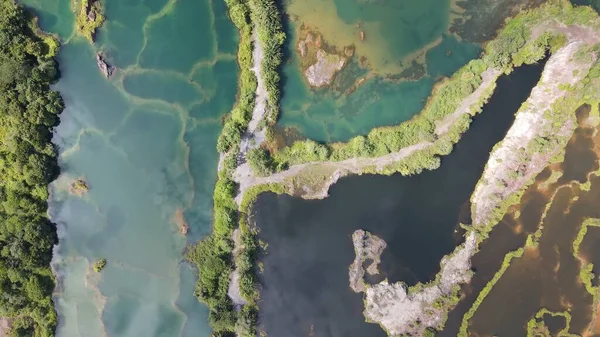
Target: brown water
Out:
[546,276]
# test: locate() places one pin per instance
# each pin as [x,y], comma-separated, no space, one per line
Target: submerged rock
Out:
[368,248]
[78,187]
[319,61]
[179,219]
[104,67]
[323,71]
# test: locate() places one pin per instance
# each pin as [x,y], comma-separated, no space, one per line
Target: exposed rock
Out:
[403,312]
[323,72]
[104,67]
[511,166]
[367,247]
[78,187]
[91,16]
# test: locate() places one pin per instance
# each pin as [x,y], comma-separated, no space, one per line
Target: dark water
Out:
[305,279]
[547,276]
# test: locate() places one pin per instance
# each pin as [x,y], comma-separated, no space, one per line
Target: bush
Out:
[260,161]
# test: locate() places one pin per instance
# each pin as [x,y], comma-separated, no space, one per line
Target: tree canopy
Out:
[29,110]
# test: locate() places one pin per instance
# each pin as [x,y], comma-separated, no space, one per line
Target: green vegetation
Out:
[512,48]
[99,265]
[591,222]
[260,161]
[487,289]
[586,271]
[537,328]
[240,115]
[217,255]
[28,112]
[446,97]
[563,111]
[267,20]
[89,17]
[214,255]
[79,187]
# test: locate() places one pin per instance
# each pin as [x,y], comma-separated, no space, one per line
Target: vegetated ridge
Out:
[222,257]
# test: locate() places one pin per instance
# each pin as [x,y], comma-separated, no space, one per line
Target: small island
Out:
[99,265]
[368,249]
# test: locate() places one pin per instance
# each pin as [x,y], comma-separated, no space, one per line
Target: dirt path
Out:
[488,78]
[255,135]
[247,179]
[5,324]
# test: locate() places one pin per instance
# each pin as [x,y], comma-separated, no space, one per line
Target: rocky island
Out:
[368,249]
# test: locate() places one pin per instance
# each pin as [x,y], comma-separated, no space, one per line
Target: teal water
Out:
[412,32]
[144,141]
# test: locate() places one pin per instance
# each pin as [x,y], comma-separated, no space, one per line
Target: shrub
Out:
[260,161]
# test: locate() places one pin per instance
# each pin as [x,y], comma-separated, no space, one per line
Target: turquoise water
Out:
[144,141]
[411,32]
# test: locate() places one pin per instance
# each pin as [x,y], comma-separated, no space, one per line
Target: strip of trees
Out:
[29,110]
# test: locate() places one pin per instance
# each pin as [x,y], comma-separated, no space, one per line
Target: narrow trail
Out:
[247,179]
[255,135]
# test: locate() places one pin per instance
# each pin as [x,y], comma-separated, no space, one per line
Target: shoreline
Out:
[310,168]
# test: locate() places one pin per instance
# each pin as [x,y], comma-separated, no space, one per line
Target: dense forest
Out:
[29,110]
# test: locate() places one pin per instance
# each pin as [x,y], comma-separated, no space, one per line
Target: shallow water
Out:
[394,32]
[305,280]
[547,276]
[144,141]
[408,46]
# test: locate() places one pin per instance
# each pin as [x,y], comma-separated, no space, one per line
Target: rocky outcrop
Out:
[104,66]
[323,71]
[368,249]
[401,311]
